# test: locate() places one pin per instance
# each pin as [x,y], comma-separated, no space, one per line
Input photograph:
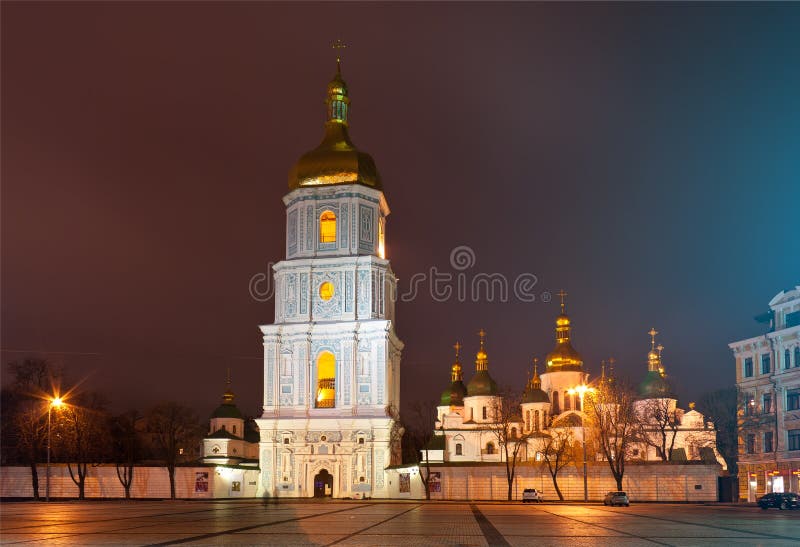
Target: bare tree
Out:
[658,422]
[611,409]
[82,435]
[24,410]
[126,446]
[506,427]
[720,407]
[176,431]
[419,432]
[557,452]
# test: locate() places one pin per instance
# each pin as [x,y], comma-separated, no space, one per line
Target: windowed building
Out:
[331,357]
[768,382]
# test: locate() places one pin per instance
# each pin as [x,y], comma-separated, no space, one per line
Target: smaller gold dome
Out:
[562,320]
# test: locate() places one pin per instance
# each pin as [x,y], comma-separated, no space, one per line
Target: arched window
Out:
[787,359]
[326,380]
[485,415]
[234,430]
[567,402]
[490,448]
[536,420]
[327,227]
[797,356]
[286,440]
[556,407]
[528,420]
[459,449]
[513,432]
[577,401]
[223,427]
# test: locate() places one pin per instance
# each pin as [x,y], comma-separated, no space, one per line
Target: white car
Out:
[531,494]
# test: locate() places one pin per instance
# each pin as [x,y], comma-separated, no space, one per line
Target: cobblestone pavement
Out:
[376,523]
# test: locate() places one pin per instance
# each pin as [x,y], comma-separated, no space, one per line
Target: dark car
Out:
[616,498]
[781,500]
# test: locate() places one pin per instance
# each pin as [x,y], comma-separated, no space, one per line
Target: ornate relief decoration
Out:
[310,223]
[366,238]
[344,226]
[303,293]
[348,292]
[291,232]
[290,295]
[363,293]
[326,309]
[379,469]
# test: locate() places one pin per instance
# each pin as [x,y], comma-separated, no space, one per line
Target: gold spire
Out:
[536,382]
[338,45]
[653,356]
[228,396]
[563,294]
[455,370]
[481,358]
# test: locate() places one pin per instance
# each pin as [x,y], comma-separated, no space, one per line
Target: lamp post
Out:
[581,390]
[57,403]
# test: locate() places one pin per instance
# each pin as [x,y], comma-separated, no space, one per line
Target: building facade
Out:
[768,385]
[331,358]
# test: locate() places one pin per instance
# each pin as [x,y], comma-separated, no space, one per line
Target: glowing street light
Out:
[582,390]
[56,402]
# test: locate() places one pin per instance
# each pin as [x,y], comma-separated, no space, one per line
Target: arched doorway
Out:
[323,484]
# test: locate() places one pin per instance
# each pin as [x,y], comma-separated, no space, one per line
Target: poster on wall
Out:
[201,481]
[435,482]
[405,483]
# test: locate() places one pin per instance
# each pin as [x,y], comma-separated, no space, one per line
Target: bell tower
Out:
[331,359]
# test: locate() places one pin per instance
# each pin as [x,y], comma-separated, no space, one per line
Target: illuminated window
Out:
[326,380]
[326,290]
[327,227]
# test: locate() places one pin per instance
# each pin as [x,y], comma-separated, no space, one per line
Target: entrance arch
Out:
[323,484]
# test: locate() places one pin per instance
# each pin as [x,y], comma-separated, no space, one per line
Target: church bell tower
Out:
[331,359]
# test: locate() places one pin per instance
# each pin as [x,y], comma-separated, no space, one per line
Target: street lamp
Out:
[581,390]
[56,402]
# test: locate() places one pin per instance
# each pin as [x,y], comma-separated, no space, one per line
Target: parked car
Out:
[531,494]
[616,498]
[781,500]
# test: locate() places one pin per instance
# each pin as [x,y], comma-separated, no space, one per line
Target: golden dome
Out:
[336,160]
[563,356]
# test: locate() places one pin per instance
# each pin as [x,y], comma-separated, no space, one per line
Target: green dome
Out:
[454,395]
[227,410]
[481,384]
[535,395]
[655,386]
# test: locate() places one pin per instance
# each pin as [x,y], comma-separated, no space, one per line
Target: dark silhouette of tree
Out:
[506,427]
[557,452]
[659,420]
[24,410]
[720,406]
[611,408]
[81,434]
[176,432]
[419,425]
[126,447]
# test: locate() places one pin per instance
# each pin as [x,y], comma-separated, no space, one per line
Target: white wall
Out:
[148,482]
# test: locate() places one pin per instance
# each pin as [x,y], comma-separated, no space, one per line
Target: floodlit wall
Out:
[642,482]
[148,482]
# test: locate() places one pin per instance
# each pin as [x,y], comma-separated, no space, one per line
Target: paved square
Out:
[385,523]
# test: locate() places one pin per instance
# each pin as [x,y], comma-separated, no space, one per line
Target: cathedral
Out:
[331,358]
[466,424]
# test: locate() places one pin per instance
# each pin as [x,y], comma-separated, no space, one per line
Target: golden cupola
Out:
[533,391]
[481,383]
[655,383]
[564,356]
[336,160]
[455,393]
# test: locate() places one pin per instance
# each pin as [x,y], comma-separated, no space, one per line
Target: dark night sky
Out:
[644,157]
